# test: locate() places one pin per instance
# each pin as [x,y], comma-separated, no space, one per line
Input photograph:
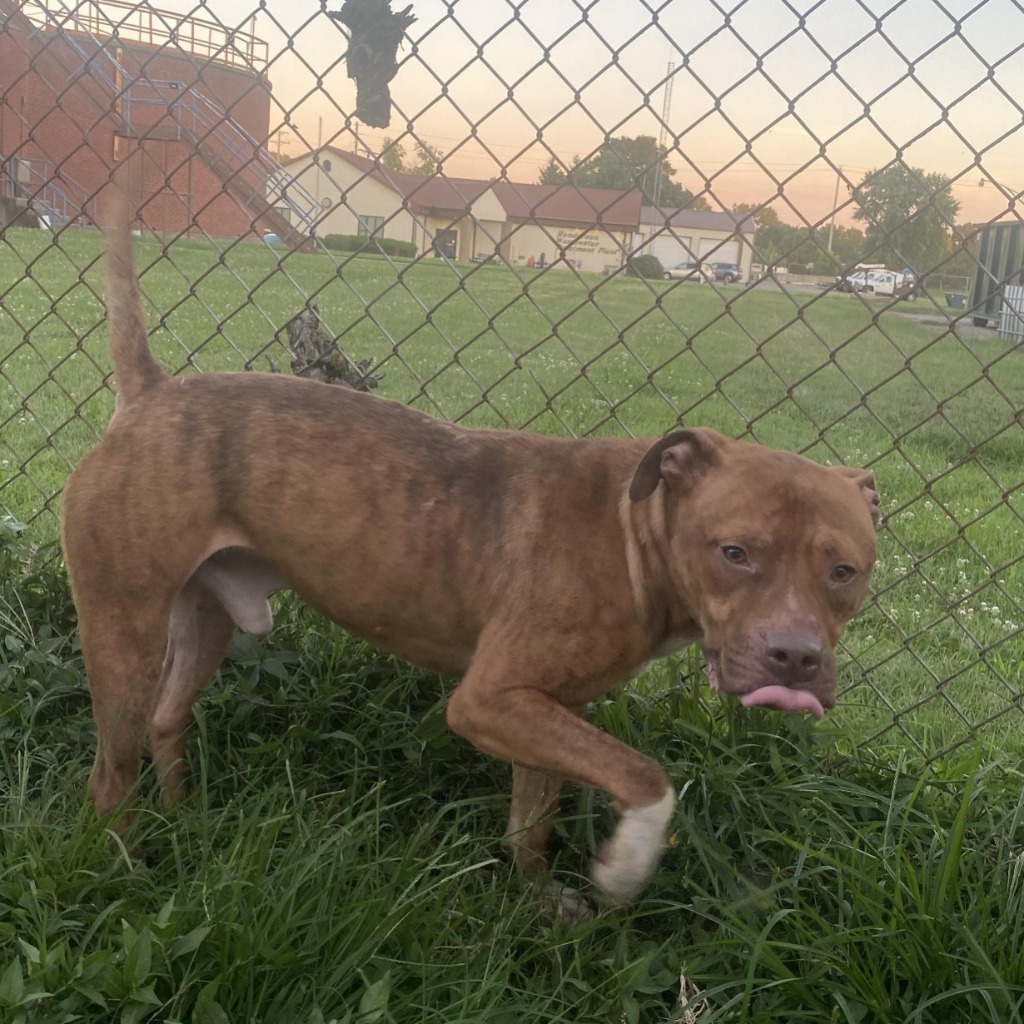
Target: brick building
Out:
[183,100]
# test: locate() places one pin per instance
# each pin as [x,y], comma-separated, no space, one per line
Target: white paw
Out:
[628,859]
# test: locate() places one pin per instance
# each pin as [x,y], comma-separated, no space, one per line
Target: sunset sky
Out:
[763,92]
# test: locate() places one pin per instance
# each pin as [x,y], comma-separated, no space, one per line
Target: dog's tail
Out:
[135,369]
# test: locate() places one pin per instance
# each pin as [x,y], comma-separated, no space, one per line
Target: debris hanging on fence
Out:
[318,356]
[377,33]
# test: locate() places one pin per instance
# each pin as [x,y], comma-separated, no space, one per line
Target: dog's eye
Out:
[735,554]
[843,573]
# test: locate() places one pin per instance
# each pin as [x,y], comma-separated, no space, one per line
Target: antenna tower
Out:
[666,109]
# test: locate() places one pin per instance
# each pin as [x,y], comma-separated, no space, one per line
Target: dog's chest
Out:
[675,642]
[670,645]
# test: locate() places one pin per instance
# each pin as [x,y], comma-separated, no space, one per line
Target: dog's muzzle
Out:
[772,695]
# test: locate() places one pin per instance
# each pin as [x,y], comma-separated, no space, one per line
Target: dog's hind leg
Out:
[535,799]
[229,590]
[200,634]
[535,802]
[123,650]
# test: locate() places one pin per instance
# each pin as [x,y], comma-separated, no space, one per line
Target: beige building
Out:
[684,236]
[588,229]
[356,196]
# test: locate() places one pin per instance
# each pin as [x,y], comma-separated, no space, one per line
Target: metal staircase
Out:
[143,108]
[33,185]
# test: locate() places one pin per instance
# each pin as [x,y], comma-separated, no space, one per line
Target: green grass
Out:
[340,859]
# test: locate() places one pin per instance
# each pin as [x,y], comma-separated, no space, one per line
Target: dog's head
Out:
[770,554]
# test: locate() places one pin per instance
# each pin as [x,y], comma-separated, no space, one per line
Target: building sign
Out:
[596,242]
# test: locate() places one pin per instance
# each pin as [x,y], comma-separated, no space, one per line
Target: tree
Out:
[764,215]
[624,163]
[392,155]
[909,214]
[552,173]
[847,245]
[776,243]
[428,159]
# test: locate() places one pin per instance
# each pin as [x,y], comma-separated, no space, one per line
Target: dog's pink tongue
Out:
[793,702]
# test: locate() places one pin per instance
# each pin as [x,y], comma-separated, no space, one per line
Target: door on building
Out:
[446,243]
[718,251]
[671,249]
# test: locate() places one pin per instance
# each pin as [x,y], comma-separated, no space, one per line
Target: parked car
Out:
[730,273]
[898,284]
[855,282]
[880,282]
[699,272]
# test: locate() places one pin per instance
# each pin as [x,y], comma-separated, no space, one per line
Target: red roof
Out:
[570,203]
[561,203]
[425,193]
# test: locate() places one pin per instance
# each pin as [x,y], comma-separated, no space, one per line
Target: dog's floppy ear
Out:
[865,480]
[679,458]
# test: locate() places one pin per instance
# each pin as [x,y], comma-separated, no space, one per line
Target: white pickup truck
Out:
[881,282]
[892,282]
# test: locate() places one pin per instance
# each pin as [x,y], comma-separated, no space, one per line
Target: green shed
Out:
[1000,263]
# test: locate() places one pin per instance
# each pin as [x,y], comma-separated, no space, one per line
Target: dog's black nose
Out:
[794,657]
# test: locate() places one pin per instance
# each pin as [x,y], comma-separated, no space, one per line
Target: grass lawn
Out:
[339,858]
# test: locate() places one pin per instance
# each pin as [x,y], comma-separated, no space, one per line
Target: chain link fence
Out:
[599,217]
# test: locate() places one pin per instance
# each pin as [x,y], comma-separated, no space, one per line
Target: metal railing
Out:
[34,185]
[143,23]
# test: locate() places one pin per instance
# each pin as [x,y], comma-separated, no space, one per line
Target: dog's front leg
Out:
[529,727]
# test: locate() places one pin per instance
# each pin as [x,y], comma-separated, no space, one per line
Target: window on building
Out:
[326,165]
[369,225]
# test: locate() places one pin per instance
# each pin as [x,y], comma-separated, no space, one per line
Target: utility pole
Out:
[278,140]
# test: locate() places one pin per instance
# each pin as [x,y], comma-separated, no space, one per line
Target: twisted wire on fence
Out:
[515,218]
